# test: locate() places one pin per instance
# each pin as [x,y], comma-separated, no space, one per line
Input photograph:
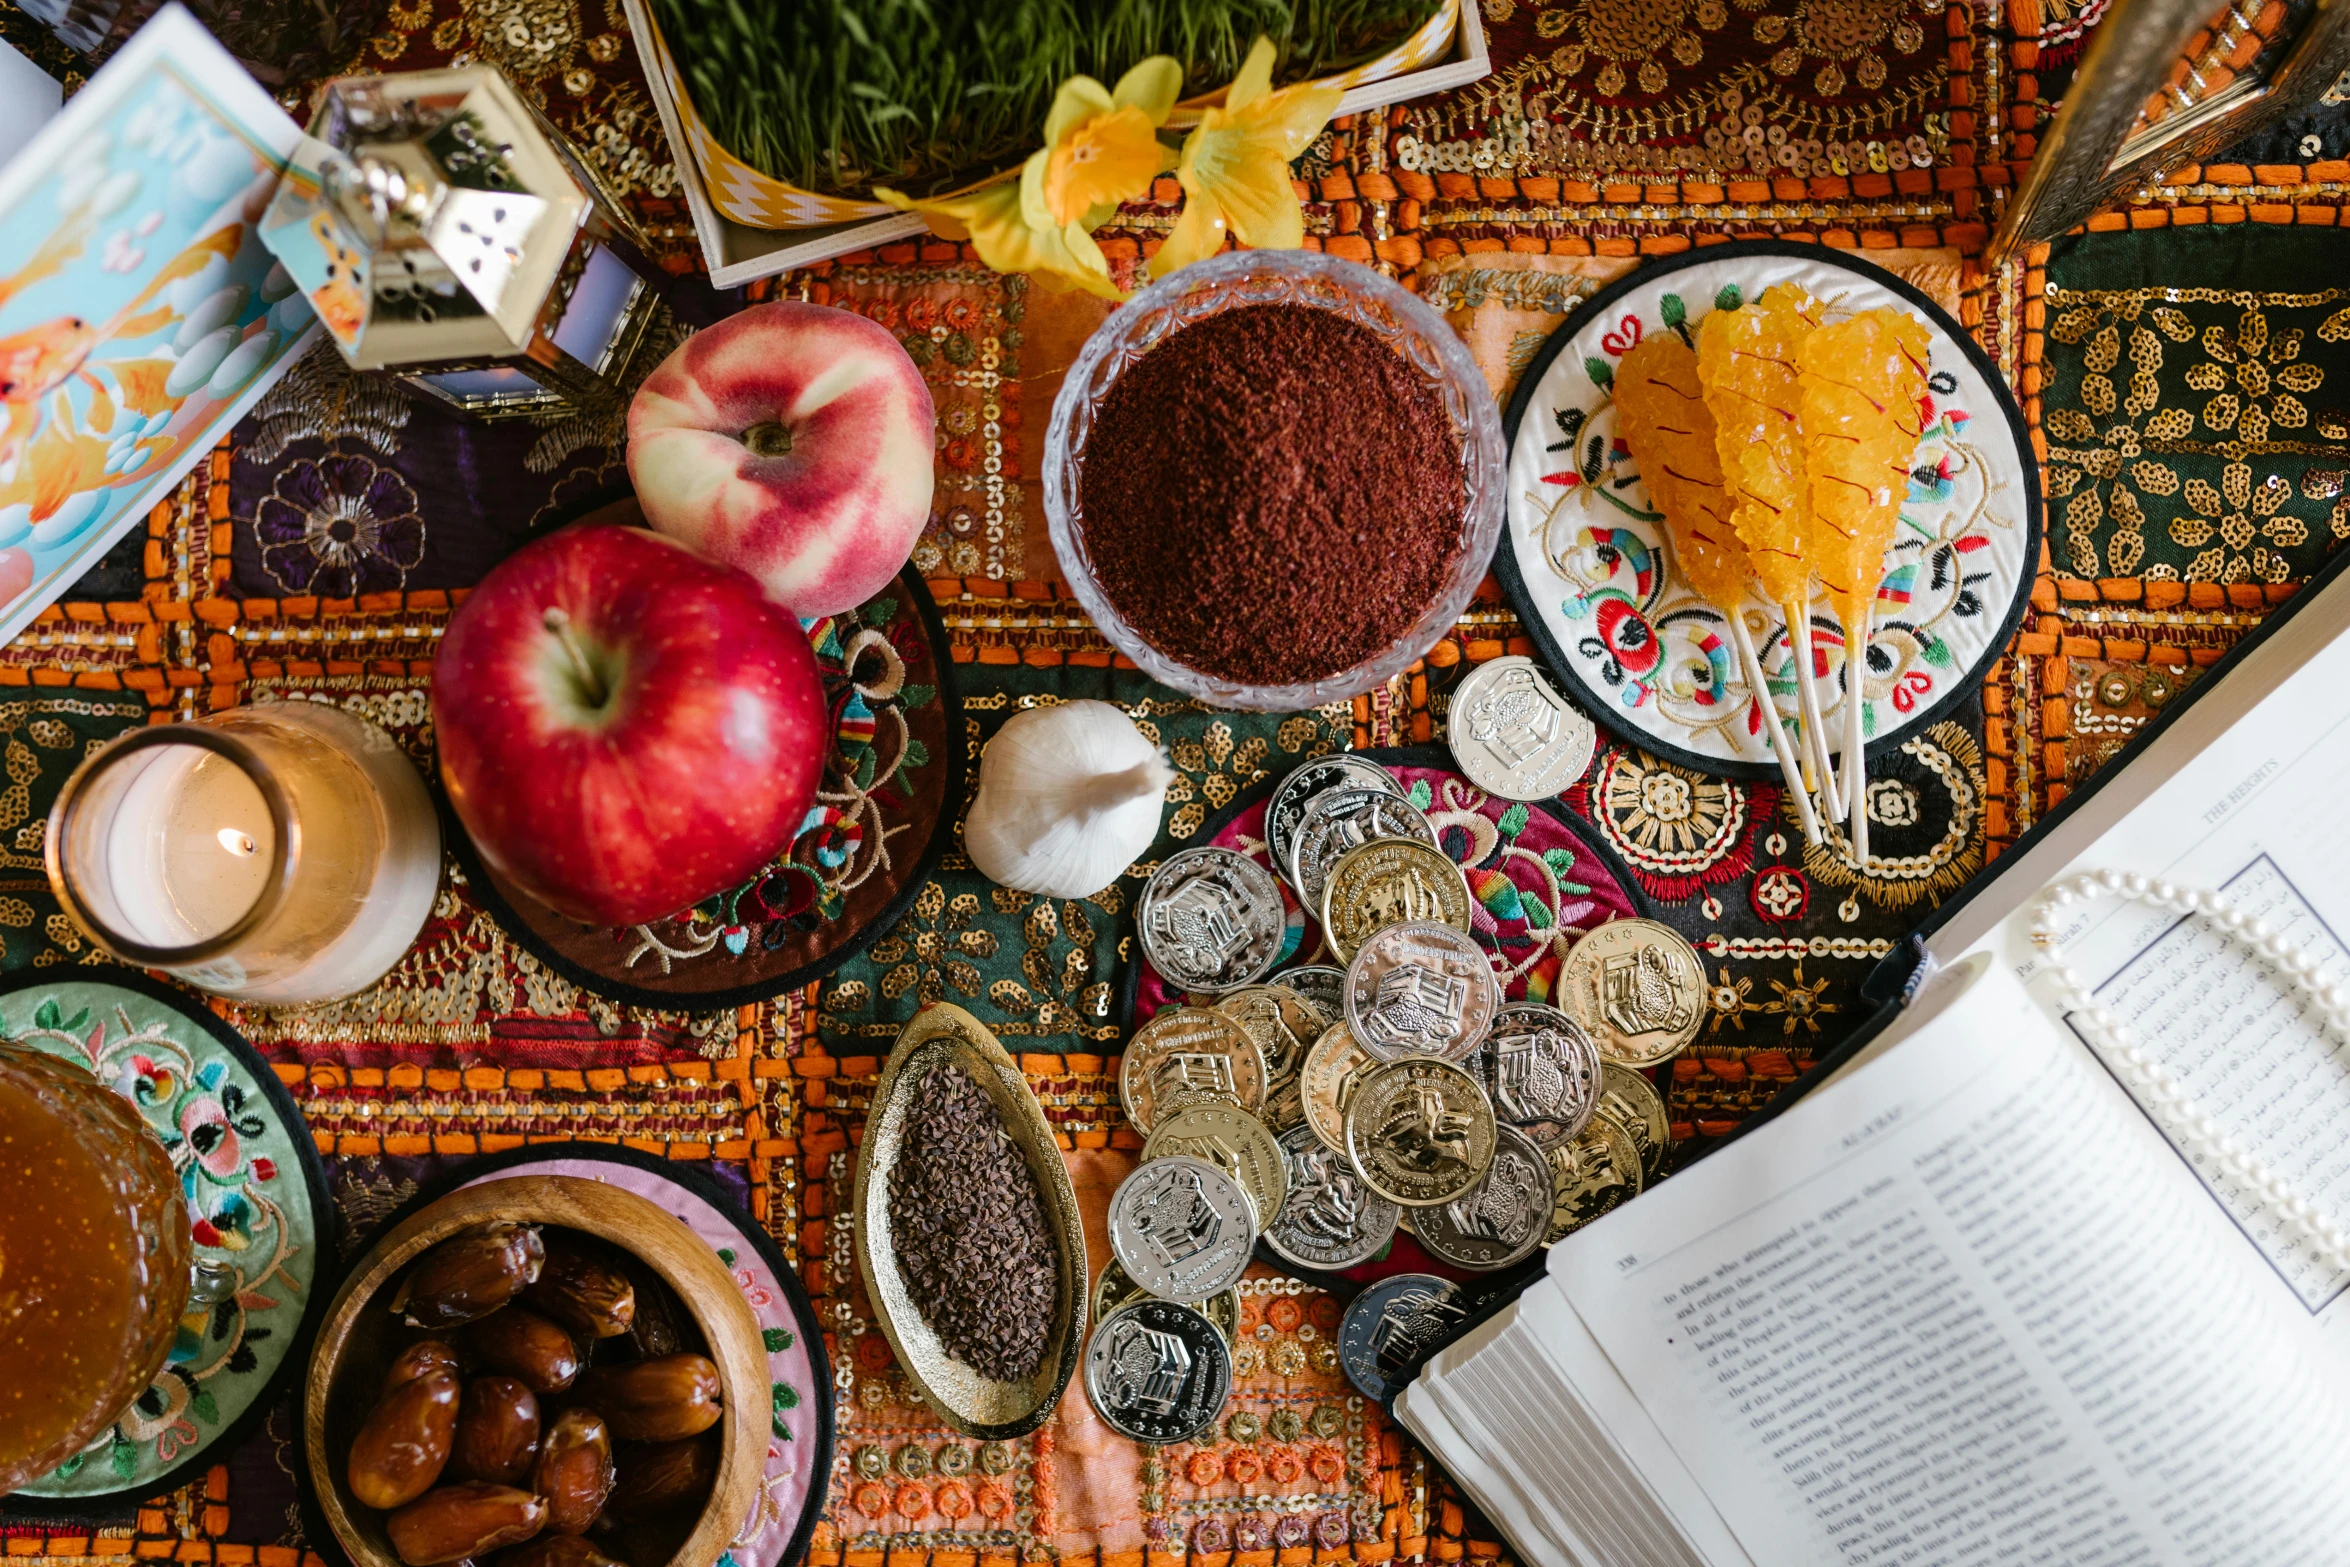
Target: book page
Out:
[2260,813]
[1960,1307]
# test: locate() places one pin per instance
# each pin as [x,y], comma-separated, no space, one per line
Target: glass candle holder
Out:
[281,853]
[94,1250]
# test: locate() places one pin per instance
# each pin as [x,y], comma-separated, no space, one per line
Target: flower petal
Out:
[1197,235]
[1294,115]
[1107,159]
[1151,87]
[1248,177]
[1255,78]
[1080,99]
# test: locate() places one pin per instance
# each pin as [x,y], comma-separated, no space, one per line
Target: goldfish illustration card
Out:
[140,314]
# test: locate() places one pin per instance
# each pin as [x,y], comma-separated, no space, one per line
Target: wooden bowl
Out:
[361,1335]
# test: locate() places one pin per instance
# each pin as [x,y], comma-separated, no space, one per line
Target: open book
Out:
[1966,1301]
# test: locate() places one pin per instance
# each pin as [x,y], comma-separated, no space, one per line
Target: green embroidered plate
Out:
[256,1192]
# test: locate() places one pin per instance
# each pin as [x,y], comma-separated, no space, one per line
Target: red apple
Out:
[624,727]
[793,441]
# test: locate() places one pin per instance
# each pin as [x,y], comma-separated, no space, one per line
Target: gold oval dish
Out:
[974,1404]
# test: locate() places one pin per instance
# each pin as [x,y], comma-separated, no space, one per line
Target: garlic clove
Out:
[1068,797]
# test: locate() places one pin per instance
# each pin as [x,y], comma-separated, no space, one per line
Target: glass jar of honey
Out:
[94,1259]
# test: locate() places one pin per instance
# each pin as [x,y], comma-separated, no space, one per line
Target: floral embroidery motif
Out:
[339,526]
[1679,830]
[1799,1001]
[2152,465]
[1925,823]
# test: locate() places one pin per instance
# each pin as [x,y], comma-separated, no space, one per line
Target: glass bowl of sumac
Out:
[1273,479]
[540,1371]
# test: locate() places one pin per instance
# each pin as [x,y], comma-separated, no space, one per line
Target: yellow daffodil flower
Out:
[1235,166]
[1101,148]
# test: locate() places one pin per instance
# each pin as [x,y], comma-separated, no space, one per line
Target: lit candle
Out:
[279,853]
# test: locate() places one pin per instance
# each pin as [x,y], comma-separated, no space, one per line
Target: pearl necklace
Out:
[2113,1040]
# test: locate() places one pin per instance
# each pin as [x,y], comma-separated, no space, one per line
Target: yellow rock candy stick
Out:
[1661,410]
[1746,364]
[1859,382]
[1662,413]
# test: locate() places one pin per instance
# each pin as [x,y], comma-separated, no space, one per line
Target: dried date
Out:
[575,1470]
[470,1275]
[458,1521]
[524,1344]
[424,1355]
[497,1431]
[404,1443]
[652,1478]
[655,1400]
[583,1291]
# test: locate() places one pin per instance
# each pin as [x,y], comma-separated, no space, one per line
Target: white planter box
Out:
[736,253]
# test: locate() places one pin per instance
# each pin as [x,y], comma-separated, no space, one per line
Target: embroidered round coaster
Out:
[884,810]
[256,1192]
[1585,562]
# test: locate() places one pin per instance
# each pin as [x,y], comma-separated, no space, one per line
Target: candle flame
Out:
[238,843]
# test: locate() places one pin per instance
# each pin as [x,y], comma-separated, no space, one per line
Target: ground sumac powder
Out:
[1271,495]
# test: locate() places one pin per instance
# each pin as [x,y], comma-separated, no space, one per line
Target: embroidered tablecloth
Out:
[2182,366]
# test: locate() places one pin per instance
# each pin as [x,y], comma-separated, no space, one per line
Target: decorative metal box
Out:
[446,233]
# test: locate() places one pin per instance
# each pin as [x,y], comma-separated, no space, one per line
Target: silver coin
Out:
[1514,735]
[1182,1228]
[1500,1220]
[1157,1372]
[1394,1325]
[1211,920]
[1233,1141]
[1288,806]
[1319,983]
[1420,990]
[1339,820]
[1331,1220]
[1541,1071]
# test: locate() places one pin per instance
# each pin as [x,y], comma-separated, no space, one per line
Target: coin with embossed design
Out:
[1513,734]
[1284,1025]
[1635,1104]
[1181,1228]
[1211,920]
[1338,820]
[1593,1172]
[1501,1219]
[1114,1289]
[1185,1055]
[1157,1372]
[1393,881]
[1233,1141]
[1541,1069]
[1332,1218]
[1420,990]
[1419,1131]
[1637,988]
[1319,983]
[1395,1324]
[1328,1081]
[1287,807]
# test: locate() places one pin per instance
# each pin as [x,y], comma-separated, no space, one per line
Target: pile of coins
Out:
[1322,1108]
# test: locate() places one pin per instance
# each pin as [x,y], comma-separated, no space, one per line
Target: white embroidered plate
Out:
[1585,560]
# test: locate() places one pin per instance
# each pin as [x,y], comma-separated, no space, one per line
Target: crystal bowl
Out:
[1279,277]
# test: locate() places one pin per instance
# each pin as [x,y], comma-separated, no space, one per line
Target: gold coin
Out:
[1598,1169]
[1115,1288]
[1232,1140]
[1420,1131]
[1186,1055]
[1284,1025]
[1391,881]
[1328,1083]
[1633,1100]
[1637,988]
